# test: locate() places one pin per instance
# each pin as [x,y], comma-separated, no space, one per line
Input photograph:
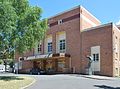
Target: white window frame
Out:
[96,64]
[96,57]
[39,48]
[49,44]
[60,21]
[63,43]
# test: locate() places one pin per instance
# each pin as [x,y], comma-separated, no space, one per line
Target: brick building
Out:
[72,36]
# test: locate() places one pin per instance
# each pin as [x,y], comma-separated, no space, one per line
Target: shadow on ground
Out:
[9,78]
[106,87]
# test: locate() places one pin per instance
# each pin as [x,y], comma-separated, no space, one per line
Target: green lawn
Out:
[14,82]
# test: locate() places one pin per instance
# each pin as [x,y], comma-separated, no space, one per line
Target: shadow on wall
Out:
[9,78]
[106,87]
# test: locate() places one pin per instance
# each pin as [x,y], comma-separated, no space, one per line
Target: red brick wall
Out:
[28,53]
[101,36]
[64,15]
[26,66]
[72,29]
[116,59]
[79,42]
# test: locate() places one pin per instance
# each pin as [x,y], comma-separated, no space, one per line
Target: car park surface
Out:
[69,81]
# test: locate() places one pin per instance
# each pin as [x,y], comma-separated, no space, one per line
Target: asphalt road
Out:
[73,82]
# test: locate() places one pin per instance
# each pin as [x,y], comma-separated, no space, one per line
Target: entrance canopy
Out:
[46,56]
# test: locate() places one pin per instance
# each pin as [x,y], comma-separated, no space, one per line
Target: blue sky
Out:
[105,10]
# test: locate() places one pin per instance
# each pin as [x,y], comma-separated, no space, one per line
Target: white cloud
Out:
[118,23]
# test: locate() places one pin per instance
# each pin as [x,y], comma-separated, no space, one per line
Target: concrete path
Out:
[74,82]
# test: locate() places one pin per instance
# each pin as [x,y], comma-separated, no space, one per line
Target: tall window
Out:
[62,46]
[50,47]
[39,48]
[96,57]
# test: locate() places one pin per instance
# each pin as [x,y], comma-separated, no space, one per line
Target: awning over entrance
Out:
[39,56]
[45,56]
[57,63]
[61,55]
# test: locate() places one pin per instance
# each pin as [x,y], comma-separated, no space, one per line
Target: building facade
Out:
[71,37]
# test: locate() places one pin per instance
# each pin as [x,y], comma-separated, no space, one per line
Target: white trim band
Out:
[88,20]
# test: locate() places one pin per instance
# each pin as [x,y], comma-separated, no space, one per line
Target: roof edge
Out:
[79,6]
[90,14]
[116,27]
[59,13]
[92,28]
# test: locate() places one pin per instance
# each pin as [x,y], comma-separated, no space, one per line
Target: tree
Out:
[20,27]
[8,20]
[1,62]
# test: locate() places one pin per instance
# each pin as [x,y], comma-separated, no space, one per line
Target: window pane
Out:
[60,47]
[63,45]
[63,40]
[39,48]
[49,47]
[97,57]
